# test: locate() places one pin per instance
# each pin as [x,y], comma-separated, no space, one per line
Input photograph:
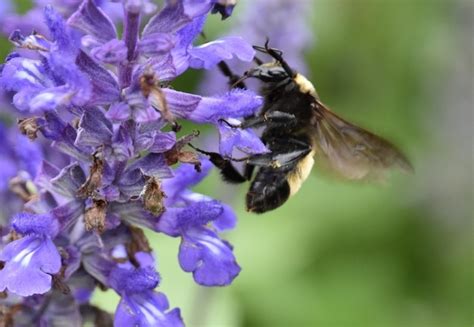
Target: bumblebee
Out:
[299,129]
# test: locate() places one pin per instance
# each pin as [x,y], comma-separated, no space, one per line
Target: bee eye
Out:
[277,73]
[274,73]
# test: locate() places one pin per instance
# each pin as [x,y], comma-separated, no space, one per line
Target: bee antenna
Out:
[276,54]
[240,80]
[199,150]
[258,61]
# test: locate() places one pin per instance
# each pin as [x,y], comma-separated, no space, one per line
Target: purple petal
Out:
[134,213]
[163,141]
[199,214]
[28,223]
[236,103]
[29,263]
[52,126]
[188,33]
[163,66]
[71,261]
[209,258]
[29,154]
[9,170]
[69,213]
[195,8]
[91,20]
[210,54]
[52,98]
[122,143]
[98,265]
[146,115]
[43,86]
[94,129]
[68,75]
[156,44]
[145,259]
[181,104]
[69,180]
[131,183]
[112,193]
[243,139]
[146,309]
[105,89]
[58,29]
[45,173]
[136,6]
[65,143]
[19,73]
[140,306]
[118,111]
[176,220]
[153,164]
[112,52]
[227,220]
[90,243]
[185,176]
[129,281]
[174,16]
[168,222]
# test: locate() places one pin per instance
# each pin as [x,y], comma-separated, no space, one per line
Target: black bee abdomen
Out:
[268,191]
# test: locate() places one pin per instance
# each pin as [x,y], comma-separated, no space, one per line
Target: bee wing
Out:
[351,151]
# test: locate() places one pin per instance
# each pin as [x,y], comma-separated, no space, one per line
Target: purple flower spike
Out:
[140,305]
[31,260]
[100,105]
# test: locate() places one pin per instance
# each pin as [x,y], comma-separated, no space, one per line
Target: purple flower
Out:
[196,219]
[52,81]
[31,260]
[209,258]
[139,304]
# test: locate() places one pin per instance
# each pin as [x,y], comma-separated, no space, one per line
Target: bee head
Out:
[276,71]
[270,72]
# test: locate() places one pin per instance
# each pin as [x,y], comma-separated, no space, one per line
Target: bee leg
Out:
[234,80]
[228,172]
[271,119]
[248,171]
[279,159]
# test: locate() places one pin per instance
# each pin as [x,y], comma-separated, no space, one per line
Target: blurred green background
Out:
[347,254]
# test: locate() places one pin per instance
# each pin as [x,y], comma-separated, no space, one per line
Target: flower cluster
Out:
[106,103]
